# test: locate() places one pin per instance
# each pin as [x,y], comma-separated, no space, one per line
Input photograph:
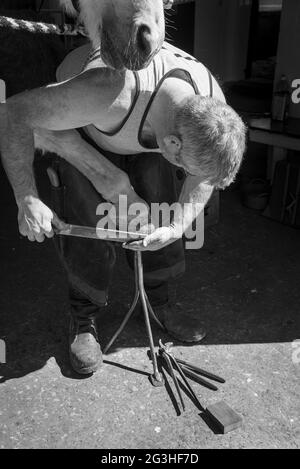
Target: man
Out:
[135,128]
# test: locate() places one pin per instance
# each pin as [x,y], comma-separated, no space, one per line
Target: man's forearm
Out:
[193,198]
[17,150]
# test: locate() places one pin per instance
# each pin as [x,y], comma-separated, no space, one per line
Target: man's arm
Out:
[35,219]
[78,102]
[194,196]
[75,103]
[82,100]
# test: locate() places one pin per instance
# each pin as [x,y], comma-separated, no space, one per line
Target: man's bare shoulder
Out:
[85,72]
[100,78]
[106,94]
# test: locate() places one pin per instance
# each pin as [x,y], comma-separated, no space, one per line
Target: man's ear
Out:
[173,144]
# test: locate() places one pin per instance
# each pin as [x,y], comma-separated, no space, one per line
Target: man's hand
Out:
[159,239]
[36,219]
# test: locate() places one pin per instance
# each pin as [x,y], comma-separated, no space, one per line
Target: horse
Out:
[128,32]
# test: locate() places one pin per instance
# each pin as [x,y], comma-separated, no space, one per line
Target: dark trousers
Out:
[89,263]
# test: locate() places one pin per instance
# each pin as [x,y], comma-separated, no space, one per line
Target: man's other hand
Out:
[159,239]
[36,219]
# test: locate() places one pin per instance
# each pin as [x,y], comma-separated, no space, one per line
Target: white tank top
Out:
[126,139]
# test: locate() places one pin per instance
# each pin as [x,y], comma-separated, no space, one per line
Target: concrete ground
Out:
[245,285]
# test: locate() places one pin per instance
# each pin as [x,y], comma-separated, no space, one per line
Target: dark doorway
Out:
[263,39]
[180,26]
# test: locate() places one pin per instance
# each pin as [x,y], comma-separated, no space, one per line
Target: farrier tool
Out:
[186,370]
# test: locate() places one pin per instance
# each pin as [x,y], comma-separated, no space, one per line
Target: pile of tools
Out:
[184,370]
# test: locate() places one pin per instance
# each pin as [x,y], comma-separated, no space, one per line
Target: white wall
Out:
[221,36]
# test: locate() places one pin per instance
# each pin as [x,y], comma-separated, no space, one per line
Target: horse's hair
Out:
[88,15]
[68,6]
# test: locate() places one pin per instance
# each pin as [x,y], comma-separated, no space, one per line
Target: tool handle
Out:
[181,372]
[167,360]
[190,374]
[207,374]
[54,178]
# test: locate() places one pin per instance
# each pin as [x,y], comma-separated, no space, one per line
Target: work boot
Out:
[180,323]
[85,351]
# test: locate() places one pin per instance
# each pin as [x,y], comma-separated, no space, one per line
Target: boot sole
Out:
[186,341]
[85,371]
